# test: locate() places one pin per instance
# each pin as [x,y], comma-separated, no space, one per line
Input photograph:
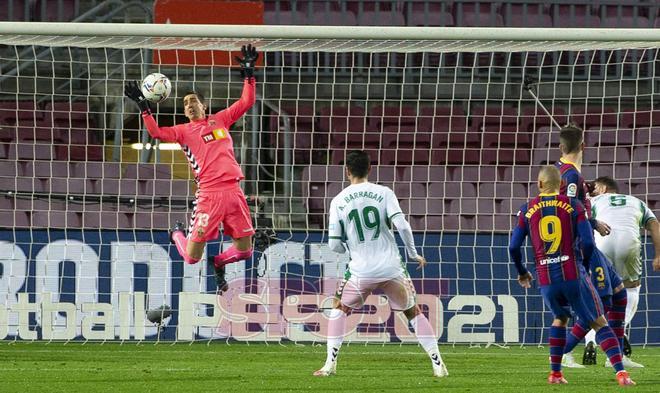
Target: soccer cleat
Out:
[589,357]
[569,361]
[177,227]
[627,349]
[326,371]
[627,363]
[624,379]
[440,371]
[220,280]
[557,378]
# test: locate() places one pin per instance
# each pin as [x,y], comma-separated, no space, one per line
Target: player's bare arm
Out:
[421,262]
[525,280]
[602,228]
[653,226]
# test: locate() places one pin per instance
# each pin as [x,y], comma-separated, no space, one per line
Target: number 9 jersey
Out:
[360,216]
[553,224]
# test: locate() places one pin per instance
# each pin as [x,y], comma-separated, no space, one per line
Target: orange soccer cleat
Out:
[556,377]
[624,378]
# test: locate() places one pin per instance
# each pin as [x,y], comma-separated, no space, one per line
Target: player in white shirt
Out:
[626,215]
[360,222]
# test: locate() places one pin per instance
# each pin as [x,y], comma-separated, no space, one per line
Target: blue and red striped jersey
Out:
[573,184]
[553,223]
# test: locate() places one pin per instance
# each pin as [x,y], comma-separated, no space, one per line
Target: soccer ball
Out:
[156,87]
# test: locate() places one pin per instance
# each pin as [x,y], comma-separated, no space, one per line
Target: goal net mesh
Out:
[87,196]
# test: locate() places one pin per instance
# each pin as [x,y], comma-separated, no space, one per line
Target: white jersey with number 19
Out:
[361,216]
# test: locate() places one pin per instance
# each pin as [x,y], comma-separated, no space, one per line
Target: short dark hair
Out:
[608,182]
[199,95]
[571,136]
[358,163]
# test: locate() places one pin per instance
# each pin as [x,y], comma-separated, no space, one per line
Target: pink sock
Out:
[182,245]
[231,255]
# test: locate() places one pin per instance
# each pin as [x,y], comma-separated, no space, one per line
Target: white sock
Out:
[336,331]
[426,338]
[633,301]
[590,337]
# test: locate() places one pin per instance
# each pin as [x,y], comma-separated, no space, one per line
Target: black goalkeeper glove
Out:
[250,56]
[132,91]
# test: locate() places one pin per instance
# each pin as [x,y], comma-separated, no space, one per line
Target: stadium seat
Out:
[649,155]
[459,190]
[34,151]
[464,206]
[381,18]
[526,15]
[456,156]
[609,137]
[646,117]
[146,171]
[285,17]
[468,14]
[382,174]
[422,174]
[448,126]
[418,206]
[485,206]
[19,11]
[533,118]
[332,18]
[626,15]
[595,116]
[604,154]
[571,15]
[461,172]
[503,156]
[55,11]
[494,119]
[429,14]
[647,136]
[546,137]
[304,137]
[410,190]
[626,22]
[518,173]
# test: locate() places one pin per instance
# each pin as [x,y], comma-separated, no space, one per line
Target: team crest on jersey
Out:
[217,134]
[571,190]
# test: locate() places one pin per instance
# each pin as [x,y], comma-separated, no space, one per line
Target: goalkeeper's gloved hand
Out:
[132,91]
[247,62]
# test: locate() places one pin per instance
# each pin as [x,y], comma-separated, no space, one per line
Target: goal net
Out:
[87,196]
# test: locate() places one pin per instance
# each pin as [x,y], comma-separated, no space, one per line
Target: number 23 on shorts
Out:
[202,220]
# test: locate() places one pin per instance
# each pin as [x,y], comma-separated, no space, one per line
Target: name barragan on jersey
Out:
[551,203]
[362,194]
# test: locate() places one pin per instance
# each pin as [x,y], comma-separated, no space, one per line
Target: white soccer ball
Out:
[156,87]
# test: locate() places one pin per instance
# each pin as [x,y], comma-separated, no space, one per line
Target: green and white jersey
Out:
[625,215]
[360,216]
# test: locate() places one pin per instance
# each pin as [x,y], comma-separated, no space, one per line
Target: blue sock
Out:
[557,342]
[580,329]
[606,338]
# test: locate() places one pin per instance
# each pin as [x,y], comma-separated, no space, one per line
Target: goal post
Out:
[87,196]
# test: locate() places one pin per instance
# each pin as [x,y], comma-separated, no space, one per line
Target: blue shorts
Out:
[603,275]
[579,295]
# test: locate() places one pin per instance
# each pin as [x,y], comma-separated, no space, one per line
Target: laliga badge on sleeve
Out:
[571,190]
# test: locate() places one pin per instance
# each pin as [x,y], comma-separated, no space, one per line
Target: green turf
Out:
[74,367]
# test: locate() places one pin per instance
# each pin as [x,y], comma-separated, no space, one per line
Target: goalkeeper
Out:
[208,147]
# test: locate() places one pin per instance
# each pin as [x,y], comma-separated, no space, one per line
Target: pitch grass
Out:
[218,367]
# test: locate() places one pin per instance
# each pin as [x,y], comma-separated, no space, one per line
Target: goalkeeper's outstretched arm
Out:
[165,134]
[248,97]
